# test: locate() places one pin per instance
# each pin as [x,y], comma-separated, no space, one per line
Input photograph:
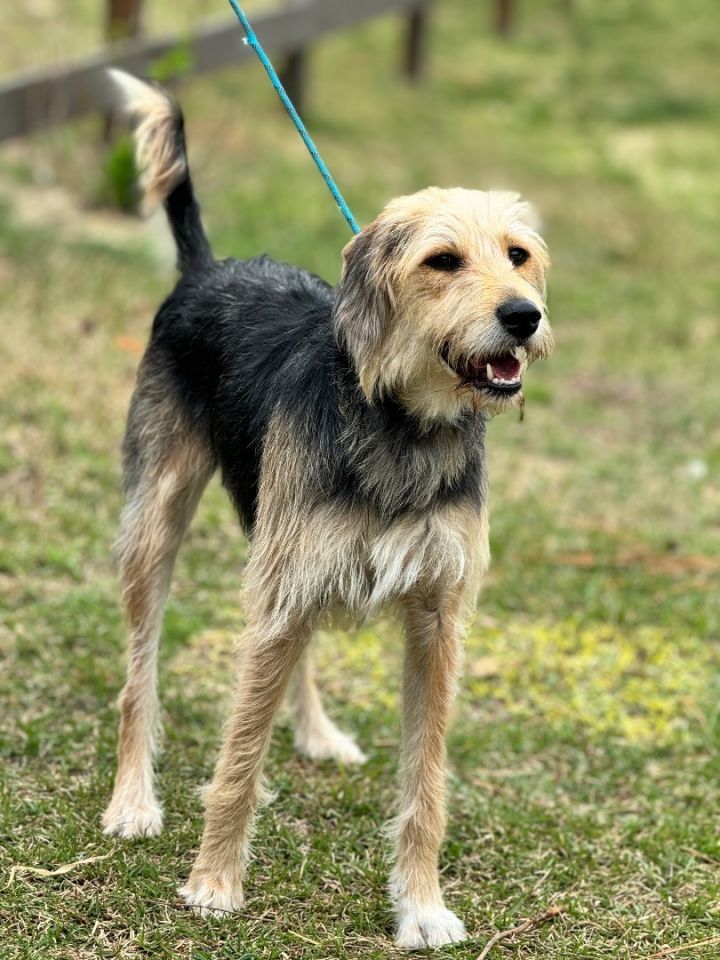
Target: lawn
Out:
[584,754]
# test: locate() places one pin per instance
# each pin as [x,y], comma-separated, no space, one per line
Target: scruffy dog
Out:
[348,425]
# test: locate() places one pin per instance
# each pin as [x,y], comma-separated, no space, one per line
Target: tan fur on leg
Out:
[216,881]
[154,521]
[316,736]
[431,663]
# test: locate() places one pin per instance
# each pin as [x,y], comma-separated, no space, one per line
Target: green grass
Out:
[584,755]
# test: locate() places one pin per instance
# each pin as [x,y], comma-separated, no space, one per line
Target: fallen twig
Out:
[524,927]
[671,951]
[60,871]
[699,855]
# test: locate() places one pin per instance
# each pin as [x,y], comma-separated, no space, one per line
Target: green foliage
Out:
[637,685]
[118,187]
[173,65]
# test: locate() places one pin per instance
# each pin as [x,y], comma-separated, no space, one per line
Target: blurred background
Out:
[585,750]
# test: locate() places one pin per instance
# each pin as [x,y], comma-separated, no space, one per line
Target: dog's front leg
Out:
[216,881]
[432,652]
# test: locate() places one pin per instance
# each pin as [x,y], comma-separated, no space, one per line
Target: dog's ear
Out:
[364,299]
[531,216]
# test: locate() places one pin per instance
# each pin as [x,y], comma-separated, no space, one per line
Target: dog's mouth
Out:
[500,375]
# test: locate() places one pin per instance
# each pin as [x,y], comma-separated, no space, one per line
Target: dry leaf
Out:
[482,667]
[128,344]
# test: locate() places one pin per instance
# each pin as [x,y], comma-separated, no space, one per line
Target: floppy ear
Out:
[364,302]
[531,216]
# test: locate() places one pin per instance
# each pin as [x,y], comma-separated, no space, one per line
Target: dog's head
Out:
[441,303]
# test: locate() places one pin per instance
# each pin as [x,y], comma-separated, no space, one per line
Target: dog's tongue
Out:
[506,368]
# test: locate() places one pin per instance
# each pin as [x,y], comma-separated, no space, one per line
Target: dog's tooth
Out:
[489,371]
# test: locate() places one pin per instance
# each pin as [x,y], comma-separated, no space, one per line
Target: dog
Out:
[348,425]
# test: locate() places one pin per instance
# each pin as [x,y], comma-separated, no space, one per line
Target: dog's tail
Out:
[162,159]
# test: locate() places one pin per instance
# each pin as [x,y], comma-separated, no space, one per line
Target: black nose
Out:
[521,318]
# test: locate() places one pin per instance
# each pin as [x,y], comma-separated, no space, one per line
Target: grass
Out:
[585,750]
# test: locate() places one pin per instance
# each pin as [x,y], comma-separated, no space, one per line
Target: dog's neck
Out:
[400,463]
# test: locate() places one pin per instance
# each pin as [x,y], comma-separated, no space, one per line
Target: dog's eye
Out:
[444,261]
[517,256]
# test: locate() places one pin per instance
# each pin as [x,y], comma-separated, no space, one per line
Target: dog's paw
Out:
[426,925]
[210,897]
[329,743]
[130,821]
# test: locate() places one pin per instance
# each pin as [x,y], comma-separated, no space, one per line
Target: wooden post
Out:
[293,73]
[415,43]
[123,19]
[503,16]
[123,23]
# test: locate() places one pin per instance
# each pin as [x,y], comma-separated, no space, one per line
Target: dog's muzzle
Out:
[500,375]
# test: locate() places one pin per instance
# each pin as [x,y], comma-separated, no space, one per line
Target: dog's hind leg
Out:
[167,469]
[316,736]
[432,652]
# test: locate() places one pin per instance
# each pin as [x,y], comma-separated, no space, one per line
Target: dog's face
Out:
[442,301]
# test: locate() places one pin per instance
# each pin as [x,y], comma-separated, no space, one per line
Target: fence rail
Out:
[50,96]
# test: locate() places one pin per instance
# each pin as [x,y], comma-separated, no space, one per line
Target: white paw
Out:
[211,898]
[329,743]
[429,925]
[123,819]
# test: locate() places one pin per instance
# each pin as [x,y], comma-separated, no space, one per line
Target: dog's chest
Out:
[368,518]
[355,559]
[417,551]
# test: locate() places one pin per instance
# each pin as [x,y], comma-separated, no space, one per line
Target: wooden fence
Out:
[50,96]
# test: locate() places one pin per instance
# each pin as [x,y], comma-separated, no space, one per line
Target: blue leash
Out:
[253,41]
